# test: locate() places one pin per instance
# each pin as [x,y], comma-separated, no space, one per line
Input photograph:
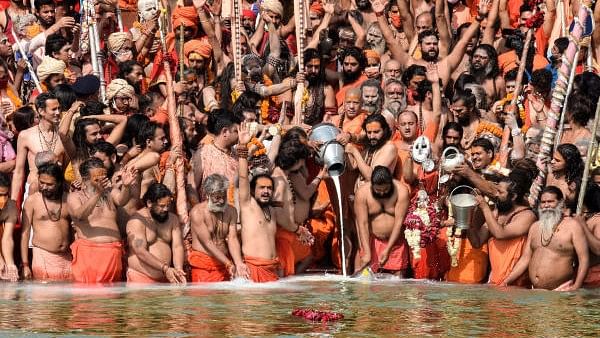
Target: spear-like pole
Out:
[299,6]
[588,161]
[558,98]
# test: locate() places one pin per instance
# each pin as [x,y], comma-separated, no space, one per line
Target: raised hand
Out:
[378,6]
[129,175]
[328,7]
[432,74]
[244,134]
[484,8]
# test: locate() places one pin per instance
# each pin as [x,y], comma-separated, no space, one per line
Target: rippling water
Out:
[371,308]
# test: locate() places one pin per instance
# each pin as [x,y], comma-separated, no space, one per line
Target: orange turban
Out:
[316,7]
[369,53]
[186,16]
[201,47]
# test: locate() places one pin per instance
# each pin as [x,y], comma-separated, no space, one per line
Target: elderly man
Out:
[395,97]
[121,96]
[216,254]
[372,96]
[556,253]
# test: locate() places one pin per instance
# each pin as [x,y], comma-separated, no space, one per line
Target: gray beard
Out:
[378,47]
[216,208]
[395,107]
[550,218]
[372,108]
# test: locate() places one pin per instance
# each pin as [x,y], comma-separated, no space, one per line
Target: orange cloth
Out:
[261,269]
[316,7]
[206,268]
[592,280]
[185,15]
[397,259]
[322,227]
[97,262]
[369,53]
[49,266]
[198,46]
[508,61]
[504,254]
[290,250]
[472,264]
[514,11]
[341,94]
[434,261]
[134,276]
[161,117]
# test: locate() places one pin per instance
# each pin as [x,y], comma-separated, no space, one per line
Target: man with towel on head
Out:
[121,97]
[121,48]
[51,73]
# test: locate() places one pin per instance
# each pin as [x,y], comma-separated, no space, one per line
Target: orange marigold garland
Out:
[487,127]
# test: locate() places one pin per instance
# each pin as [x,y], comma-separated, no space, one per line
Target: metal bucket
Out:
[463,207]
[331,152]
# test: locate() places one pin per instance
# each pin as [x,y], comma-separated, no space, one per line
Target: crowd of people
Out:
[430,97]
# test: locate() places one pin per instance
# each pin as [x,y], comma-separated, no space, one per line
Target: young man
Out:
[156,252]
[47,214]
[8,217]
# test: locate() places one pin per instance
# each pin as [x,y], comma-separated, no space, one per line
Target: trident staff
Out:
[29,66]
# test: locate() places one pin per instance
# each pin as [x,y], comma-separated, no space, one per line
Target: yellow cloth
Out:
[119,86]
[273,5]
[117,40]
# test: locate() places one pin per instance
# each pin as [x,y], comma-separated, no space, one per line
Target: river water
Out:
[387,307]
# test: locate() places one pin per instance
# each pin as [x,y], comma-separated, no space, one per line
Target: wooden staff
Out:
[558,97]
[588,161]
[299,16]
[506,132]
[32,73]
[561,123]
[119,17]
[181,64]
[236,45]
[175,132]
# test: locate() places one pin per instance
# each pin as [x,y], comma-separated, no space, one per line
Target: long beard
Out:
[159,217]
[550,218]
[395,106]
[214,207]
[350,77]
[313,79]
[503,206]
[378,46]
[429,57]
[375,144]
[386,195]
[478,73]
[52,195]
[372,107]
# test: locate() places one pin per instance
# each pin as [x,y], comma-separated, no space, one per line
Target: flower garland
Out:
[453,244]
[265,104]
[488,127]
[260,148]
[422,224]
[522,112]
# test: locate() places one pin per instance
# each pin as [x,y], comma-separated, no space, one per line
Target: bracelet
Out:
[242,151]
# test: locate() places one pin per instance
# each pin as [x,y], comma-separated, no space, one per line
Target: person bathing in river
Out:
[380,207]
[553,246]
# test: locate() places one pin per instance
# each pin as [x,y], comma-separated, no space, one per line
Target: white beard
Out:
[550,218]
[216,208]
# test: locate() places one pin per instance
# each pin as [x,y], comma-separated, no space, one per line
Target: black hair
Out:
[525,8]
[246,102]
[103,147]
[294,133]
[54,43]
[411,71]
[311,53]
[4,180]
[219,120]
[423,87]
[381,175]
[92,107]
[79,138]
[39,3]
[484,143]
[290,153]
[561,43]
[427,33]
[40,101]
[357,54]
[53,170]
[387,131]
[453,126]
[467,97]
[255,179]
[146,133]
[225,85]
[541,79]
[135,123]
[89,164]
[493,58]
[511,75]
[23,118]
[579,109]
[573,162]
[126,68]
[520,182]
[155,192]
[553,190]
[65,95]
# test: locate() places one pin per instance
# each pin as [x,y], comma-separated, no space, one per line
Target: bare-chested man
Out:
[156,252]
[42,137]
[98,248]
[46,212]
[379,150]
[216,254]
[260,219]
[8,217]
[428,42]
[380,207]
[553,246]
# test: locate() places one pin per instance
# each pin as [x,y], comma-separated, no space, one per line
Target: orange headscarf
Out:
[186,16]
[316,7]
[369,53]
[201,47]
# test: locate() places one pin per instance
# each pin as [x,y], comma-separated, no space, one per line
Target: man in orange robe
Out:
[353,65]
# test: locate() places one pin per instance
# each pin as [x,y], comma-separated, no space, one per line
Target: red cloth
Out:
[397,259]
[246,13]
[261,269]
[134,276]
[592,280]
[49,266]
[97,262]
[434,261]
[206,268]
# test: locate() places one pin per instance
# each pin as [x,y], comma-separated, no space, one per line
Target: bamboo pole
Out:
[561,124]
[299,8]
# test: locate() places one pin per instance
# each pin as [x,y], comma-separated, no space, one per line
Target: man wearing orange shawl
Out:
[353,65]
[186,16]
